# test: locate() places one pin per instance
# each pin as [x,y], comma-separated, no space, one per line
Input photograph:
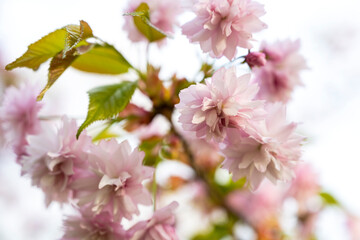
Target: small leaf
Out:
[329,199]
[151,148]
[40,51]
[57,66]
[219,231]
[142,22]
[105,134]
[107,101]
[75,34]
[103,59]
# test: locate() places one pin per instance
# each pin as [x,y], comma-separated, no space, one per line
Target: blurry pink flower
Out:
[281,72]
[19,116]
[273,155]
[55,159]
[223,25]
[160,227]
[305,184]
[163,14]
[226,101]
[2,135]
[115,184]
[353,223]
[86,226]
[158,127]
[206,153]
[255,59]
[257,207]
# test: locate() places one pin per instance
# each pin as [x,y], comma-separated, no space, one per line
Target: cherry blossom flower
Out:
[87,226]
[160,227]
[223,25]
[55,159]
[257,207]
[281,73]
[225,101]
[353,223]
[206,154]
[163,15]
[19,116]
[305,184]
[115,183]
[158,127]
[273,155]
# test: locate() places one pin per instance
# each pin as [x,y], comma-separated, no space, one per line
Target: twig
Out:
[213,192]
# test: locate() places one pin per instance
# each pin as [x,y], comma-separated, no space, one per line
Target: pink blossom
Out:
[353,223]
[19,116]
[255,59]
[257,207]
[87,226]
[225,101]
[163,14]
[305,184]
[222,25]
[115,182]
[206,153]
[158,127]
[55,159]
[273,155]
[281,73]
[160,227]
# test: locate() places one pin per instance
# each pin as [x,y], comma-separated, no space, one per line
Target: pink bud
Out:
[256,59]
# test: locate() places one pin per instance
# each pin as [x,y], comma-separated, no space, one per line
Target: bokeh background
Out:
[328,106]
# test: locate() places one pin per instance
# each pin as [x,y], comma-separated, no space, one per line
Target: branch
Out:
[212,190]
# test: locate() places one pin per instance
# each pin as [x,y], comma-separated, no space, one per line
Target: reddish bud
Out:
[255,59]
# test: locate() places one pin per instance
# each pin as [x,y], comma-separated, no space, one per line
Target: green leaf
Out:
[151,148]
[232,186]
[57,66]
[107,101]
[104,59]
[75,34]
[142,22]
[329,199]
[218,231]
[105,133]
[40,51]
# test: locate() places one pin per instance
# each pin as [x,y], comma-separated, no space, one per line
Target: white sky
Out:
[328,105]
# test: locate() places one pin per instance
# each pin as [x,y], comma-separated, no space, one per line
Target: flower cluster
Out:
[225,123]
[104,180]
[19,116]
[55,158]
[225,101]
[222,25]
[256,140]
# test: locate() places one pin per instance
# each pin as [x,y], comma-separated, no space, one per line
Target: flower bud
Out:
[255,59]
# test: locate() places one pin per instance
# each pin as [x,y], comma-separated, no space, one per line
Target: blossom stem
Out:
[213,191]
[58,117]
[154,189]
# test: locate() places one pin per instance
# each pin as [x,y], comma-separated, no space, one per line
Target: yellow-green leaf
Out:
[40,51]
[75,34]
[107,101]
[142,22]
[329,199]
[57,66]
[103,59]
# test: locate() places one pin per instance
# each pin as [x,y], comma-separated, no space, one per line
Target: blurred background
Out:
[328,106]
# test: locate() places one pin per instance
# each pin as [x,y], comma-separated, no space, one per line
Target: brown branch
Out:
[213,191]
